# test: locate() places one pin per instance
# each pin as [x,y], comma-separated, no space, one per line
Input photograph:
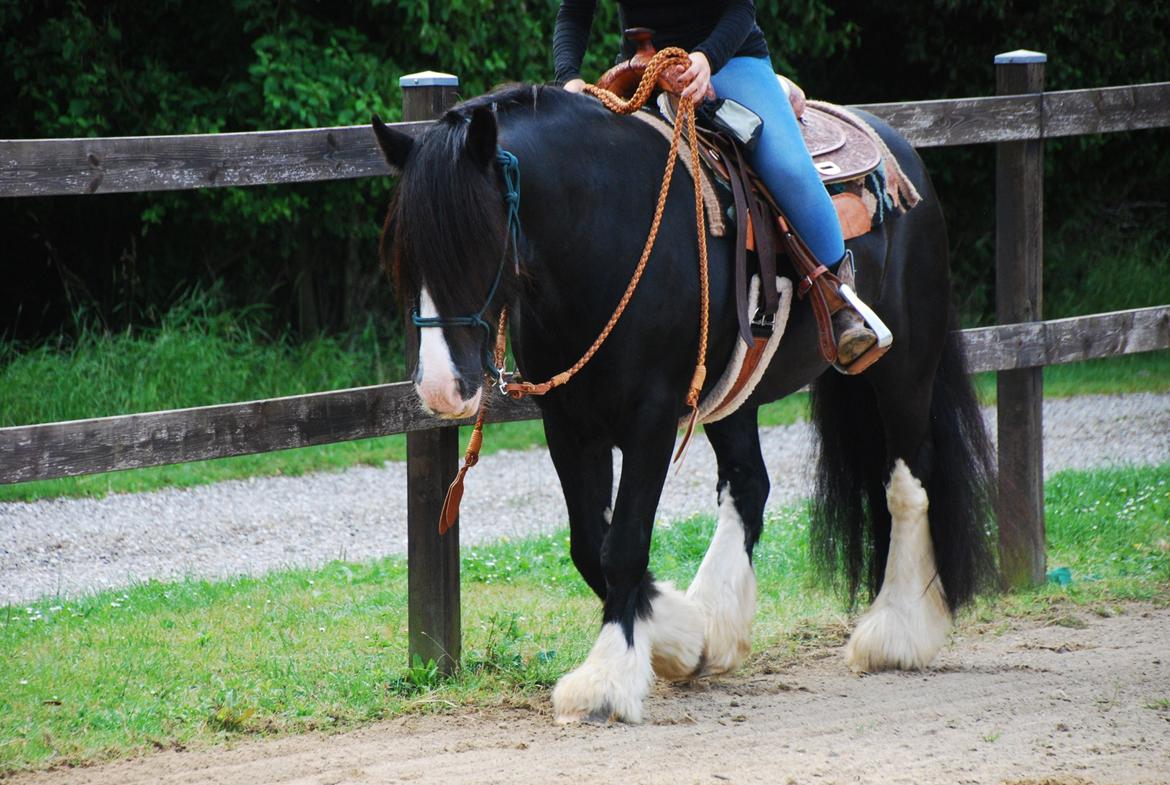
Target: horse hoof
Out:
[600,717]
[884,641]
[611,683]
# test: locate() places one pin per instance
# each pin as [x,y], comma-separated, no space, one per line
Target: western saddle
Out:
[841,152]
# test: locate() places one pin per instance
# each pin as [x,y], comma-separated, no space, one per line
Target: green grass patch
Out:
[1093,270]
[200,354]
[1147,372]
[195,663]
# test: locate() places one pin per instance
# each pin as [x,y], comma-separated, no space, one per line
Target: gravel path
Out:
[74,546]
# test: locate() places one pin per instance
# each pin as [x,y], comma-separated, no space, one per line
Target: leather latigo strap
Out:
[742,224]
[819,285]
[754,231]
[765,238]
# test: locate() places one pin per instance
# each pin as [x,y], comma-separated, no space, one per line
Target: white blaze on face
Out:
[438,385]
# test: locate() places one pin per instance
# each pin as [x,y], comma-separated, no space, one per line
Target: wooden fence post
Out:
[432,458]
[1019,254]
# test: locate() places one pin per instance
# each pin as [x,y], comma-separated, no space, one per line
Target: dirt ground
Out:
[1079,699]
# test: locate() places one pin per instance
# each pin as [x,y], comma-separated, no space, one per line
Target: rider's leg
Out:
[783,163]
[780,158]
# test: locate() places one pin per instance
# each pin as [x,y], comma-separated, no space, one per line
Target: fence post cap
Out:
[428,79]
[1021,56]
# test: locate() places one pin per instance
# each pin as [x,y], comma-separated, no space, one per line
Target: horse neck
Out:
[583,211]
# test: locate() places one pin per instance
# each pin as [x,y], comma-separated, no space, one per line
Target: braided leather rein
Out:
[517,389]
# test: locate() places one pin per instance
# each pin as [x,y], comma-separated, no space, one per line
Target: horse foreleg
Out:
[617,674]
[909,620]
[585,468]
[725,585]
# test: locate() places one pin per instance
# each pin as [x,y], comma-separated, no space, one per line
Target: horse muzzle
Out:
[444,399]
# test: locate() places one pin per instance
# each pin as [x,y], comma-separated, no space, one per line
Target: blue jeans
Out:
[780,158]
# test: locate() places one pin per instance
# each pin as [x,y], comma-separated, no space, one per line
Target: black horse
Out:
[906,431]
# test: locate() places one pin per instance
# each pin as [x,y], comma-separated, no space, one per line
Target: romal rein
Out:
[671,56]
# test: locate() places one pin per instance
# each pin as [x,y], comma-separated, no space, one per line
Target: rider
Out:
[729,53]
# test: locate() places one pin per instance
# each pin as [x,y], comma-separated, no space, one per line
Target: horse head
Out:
[446,242]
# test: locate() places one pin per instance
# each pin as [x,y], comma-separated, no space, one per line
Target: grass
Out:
[201,353]
[1095,268]
[196,663]
[1133,373]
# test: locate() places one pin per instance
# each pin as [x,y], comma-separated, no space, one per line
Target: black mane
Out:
[446,226]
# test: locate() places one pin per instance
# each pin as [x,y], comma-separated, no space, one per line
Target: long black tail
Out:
[851,524]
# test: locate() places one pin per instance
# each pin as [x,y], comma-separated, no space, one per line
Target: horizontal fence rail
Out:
[1016,118]
[66,449]
[59,167]
[124,164]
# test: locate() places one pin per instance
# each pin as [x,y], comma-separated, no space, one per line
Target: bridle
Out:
[510,169]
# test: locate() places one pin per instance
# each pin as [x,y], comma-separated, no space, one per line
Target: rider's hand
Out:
[697,78]
[575,85]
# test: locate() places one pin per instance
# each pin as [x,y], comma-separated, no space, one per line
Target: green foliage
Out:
[419,677]
[201,353]
[945,48]
[123,68]
[81,68]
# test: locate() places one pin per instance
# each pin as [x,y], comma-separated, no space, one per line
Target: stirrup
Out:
[884,337]
[846,274]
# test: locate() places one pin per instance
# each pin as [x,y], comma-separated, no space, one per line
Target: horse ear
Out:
[396,146]
[482,136]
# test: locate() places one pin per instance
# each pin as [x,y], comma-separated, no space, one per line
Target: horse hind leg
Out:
[908,622]
[928,529]
[725,586]
[675,627]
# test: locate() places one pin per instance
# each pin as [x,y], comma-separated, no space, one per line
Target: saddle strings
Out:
[517,389]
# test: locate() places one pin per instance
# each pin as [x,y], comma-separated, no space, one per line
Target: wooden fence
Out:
[1018,120]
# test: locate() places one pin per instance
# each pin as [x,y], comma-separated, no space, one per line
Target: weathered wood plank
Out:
[948,122]
[432,459]
[50,167]
[432,591]
[1007,347]
[67,449]
[1107,109]
[1013,118]
[1019,268]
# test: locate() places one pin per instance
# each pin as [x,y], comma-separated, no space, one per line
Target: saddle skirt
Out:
[862,177]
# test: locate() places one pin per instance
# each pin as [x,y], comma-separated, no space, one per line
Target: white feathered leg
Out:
[909,621]
[675,628]
[725,589]
[611,683]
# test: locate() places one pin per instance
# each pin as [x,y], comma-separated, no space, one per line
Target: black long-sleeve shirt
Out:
[720,30]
